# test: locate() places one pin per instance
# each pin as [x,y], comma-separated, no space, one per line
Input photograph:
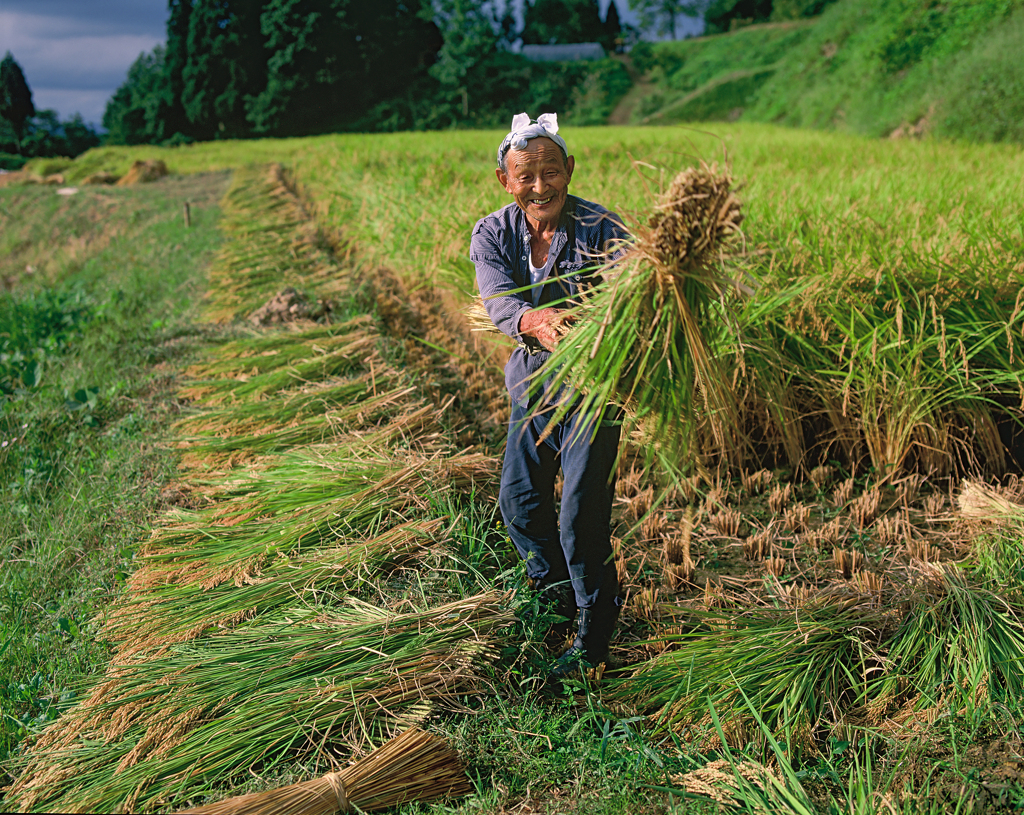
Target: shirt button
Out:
[576,277]
[524,257]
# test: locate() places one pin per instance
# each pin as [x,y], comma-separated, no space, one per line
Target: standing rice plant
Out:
[798,670]
[641,339]
[169,728]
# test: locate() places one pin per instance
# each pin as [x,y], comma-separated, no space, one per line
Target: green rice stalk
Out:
[272,243]
[799,670]
[288,407]
[304,503]
[168,729]
[161,613]
[959,641]
[390,417]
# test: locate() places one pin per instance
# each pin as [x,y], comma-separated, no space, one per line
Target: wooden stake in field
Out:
[414,766]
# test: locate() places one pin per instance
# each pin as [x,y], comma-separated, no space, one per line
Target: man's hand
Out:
[546,325]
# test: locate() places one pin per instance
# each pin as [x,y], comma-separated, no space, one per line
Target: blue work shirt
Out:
[500,249]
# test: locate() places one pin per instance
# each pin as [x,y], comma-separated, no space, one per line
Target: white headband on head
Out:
[523,130]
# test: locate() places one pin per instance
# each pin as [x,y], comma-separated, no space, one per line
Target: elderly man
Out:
[549,240]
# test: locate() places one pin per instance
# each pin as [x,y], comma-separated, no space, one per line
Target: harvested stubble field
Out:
[812,623]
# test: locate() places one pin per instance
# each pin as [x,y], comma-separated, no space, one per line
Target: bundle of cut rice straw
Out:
[640,340]
[414,766]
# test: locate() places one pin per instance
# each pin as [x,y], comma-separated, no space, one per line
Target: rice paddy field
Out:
[824,582]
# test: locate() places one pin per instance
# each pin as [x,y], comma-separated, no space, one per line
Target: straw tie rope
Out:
[338,787]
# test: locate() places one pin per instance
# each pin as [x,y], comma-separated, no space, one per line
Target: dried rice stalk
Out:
[780,497]
[981,502]
[822,476]
[843,492]
[865,509]
[727,523]
[797,517]
[757,482]
[847,562]
[413,766]
[758,546]
[775,566]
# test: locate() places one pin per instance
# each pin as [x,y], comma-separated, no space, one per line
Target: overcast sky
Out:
[75,53]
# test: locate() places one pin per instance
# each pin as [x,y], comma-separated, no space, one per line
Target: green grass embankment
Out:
[864,66]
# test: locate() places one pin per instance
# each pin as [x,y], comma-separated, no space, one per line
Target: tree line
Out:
[252,68]
[238,68]
[26,132]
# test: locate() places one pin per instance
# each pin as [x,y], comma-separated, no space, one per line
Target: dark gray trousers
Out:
[574,544]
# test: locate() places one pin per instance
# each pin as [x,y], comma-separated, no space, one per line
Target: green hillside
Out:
[866,66]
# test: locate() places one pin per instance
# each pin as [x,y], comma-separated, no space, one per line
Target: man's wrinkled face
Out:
[538,179]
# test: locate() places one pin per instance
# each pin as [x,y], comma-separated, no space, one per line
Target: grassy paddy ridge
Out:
[821,632]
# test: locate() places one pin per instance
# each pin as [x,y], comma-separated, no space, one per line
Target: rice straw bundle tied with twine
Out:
[645,337]
[413,766]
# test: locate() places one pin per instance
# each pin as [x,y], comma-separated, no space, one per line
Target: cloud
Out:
[73,18]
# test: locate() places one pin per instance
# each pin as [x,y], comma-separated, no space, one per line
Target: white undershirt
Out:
[536,275]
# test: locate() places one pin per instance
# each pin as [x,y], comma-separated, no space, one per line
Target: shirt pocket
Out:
[578,276]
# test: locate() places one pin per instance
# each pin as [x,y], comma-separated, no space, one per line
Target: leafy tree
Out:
[136,113]
[331,61]
[720,14]
[15,97]
[662,16]
[47,135]
[172,112]
[795,9]
[225,64]
[551,21]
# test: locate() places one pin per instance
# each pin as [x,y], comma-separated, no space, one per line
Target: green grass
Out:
[863,66]
[80,480]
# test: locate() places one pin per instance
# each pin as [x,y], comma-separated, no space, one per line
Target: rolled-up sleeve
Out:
[491,254]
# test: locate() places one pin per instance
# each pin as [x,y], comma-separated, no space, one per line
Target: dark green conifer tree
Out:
[15,97]
[226,63]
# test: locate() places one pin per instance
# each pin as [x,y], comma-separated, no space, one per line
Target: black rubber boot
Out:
[555,601]
[593,634]
[561,602]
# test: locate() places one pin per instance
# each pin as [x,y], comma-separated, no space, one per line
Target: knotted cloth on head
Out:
[523,130]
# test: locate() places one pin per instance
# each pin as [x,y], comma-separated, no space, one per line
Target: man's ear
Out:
[502,178]
[570,165]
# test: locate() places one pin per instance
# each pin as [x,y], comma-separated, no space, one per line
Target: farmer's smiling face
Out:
[538,179]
